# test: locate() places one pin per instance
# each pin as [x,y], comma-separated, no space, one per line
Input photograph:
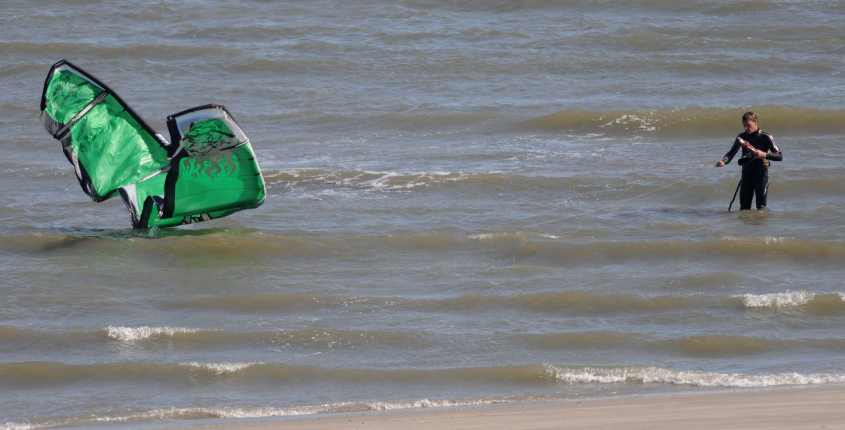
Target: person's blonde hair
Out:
[749,116]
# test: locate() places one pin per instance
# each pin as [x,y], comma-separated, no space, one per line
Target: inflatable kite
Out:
[207,170]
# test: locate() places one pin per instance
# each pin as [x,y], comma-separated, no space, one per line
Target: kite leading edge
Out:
[207,170]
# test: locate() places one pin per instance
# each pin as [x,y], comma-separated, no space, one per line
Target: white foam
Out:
[639,122]
[382,182]
[498,236]
[777,300]
[371,179]
[409,180]
[427,403]
[131,334]
[782,300]
[656,375]
[198,413]
[269,412]
[221,368]
[767,240]
[17,426]
[772,240]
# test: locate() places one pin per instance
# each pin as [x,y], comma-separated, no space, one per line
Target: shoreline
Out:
[772,408]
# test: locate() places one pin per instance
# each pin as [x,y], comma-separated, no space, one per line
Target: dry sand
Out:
[805,408]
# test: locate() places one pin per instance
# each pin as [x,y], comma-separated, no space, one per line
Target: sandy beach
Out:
[803,408]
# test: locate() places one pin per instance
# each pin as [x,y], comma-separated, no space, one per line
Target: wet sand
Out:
[804,408]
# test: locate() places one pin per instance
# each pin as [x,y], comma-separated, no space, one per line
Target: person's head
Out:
[749,122]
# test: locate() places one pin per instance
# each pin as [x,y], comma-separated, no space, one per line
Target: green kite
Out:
[206,171]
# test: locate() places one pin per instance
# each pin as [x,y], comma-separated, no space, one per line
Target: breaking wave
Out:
[816,303]
[220,368]
[192,413]
[13,338]
[50,374]
[657,375]
[129,334]
[706,345]
[542,374]
[690,121]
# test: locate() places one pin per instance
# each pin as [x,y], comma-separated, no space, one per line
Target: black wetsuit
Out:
[755,172]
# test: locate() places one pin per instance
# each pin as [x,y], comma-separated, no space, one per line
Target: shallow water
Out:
[469,202]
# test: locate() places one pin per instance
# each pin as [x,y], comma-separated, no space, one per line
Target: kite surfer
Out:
[758,149]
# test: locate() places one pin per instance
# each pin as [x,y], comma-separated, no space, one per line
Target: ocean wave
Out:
[287,302]
[589,188]
[813,302]
[777,300]
[543,373]
[578,302]
[592,187]
[734,248]
[130,334]
[364,179]
[21,426]
[221,368]
[657,375]
[191,413]
[296,338]
[703,345]
[51,374]
[579,340]
[708,346]
[516,246]
[690,121]
[331,338]
[444,180]
[181,338]
[699,346]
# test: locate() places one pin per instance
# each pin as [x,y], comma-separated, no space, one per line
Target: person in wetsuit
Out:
[758,149]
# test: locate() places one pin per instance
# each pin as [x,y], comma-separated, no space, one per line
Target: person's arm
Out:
[774,153]
[730,154]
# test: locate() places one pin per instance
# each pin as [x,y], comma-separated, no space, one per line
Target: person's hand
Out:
[721,163]
[760,154]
